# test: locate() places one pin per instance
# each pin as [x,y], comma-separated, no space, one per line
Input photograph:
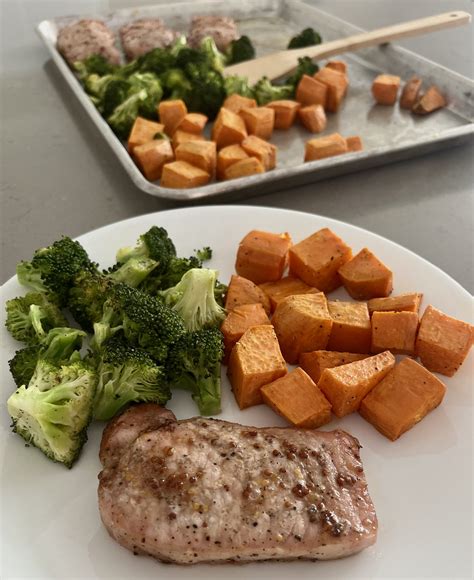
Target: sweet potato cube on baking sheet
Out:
[238,321]
[394,331]
[259,121]
[227,157]
[311,91]
[201,154]
[180,175]
[409,302]
[443,342]
[351,329]
[244,168]
[385,89]
[229,129]
[285,113]
[152,156]
[354,144]
[242,291]
[264,151]
[281,289]
[263,256]
[171,113]
[317,258]
[431,101]
[255,361]
[193,123]
[315,362]
[336,83]
[302,324]
[236,103]
[143,131]
[338,65]
[410,93]
[296,398]
[180,137]
[313,118]
[327,146]
[402,399]
[345,386]
[365,276]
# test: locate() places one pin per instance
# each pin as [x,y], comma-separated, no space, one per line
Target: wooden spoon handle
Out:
[280,63]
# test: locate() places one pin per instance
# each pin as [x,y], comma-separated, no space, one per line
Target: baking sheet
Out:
[388,133]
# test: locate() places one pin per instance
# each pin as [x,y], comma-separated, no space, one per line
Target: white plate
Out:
[421,484]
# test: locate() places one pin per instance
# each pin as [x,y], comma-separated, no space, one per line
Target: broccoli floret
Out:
[126,374]
[94,64]
[194,364]
[220,292]
[23,364]
[305,67]
[157,61]
[265,91]
[307,37]
[54,410]
[215,59]
[150,83]
[204,254]
[123,116]
[240,50]
[207,92]
[193,299]
[178,45]
[30,317]
[238,85]
[154,244]
[175,84]
[115,92]
[133,271]
[87,296]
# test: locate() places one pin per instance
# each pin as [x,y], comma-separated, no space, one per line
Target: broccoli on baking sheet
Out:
[239,50]
[307,37]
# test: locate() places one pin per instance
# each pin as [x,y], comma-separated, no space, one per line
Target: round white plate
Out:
[421,484]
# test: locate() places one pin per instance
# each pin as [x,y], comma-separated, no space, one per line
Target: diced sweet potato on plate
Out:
[229,129]
[365,276]
[180,137]
[327,146]
[244,168]
[240,319]
[152,156]
[288,286]
[285,112]
[315,362]
[227,157]
[236,103]
[313,118]
[351,329]
[336,83]
[242,291]
[193,123]
[264,151]
[394,331]
[201,154]
[171,113]
[385,89]
[143,131]
[311,91]
[409,302]
[259,121]
[180,175]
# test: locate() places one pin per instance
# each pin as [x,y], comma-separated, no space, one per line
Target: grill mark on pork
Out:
[204,490]
[142,36]
[221,28]
[86,37]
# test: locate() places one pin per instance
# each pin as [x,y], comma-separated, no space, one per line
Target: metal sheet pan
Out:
[389,133]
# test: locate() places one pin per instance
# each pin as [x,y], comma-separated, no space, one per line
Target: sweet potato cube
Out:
[315,362]
[365,276]
[244,168]
[281,289]
[410,93]
[143,131]
[180,137]
[313,118]
[338,65]
[238,321]
[263,256]
[201,154]
[394,331]
[227,157]
[336,83]
[443,342]
[259,121]
[255,361]
[302,324]
[180,175]
[431,101]
[171,113]
[229,128]
[402,399]
[409,302]
[285,112]
[354,144]
[236,103]
[296,398]
[311,91]
[152,156]
[351,329]
[264,151]
[345,386]
[385,89]
[327,146]
[242,291]
[317,259]
[193,123]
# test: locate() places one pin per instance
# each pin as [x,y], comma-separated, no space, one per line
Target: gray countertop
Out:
[59,177]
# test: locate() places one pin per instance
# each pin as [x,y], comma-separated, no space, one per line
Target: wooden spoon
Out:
[281,63]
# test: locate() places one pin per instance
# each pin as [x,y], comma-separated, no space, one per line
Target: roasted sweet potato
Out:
[289,286]
[338,65]
[255,361]
[327,146]
[311,91]
[227,157]
[345,386]
[171,113]
[315,362]
[264,151]
[193,123]
[409,302]
[394,331]
[354,143]
[410,93]
[229,129]
[313,118]
[431,101]
[152,156]
[243,291]
[263,256]
[443,342]
[244,168]
[201,154]
[402,399]
[317,259]
[296,398]
[285,113]
[236,103]
[180,137]
[143,131]
[240,319]
[336,83]
[365,276]
[180,175]
[259,121]
[351,329]
[302,324]
[385,89]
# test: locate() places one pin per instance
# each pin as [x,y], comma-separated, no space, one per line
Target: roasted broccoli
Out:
[154,244]
[215,59]
[305,67]
[265,91]
[23,364]
[53,411]
[123,116]
[307,37]
[237,85]
[126,374]
[133,271]
[194,364]
[94,64]
[30,317]
[240,50]
[86,298]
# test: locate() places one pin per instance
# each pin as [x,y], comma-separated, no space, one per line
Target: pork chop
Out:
[142,36]
[205,490]
[86,37]
[221,28]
